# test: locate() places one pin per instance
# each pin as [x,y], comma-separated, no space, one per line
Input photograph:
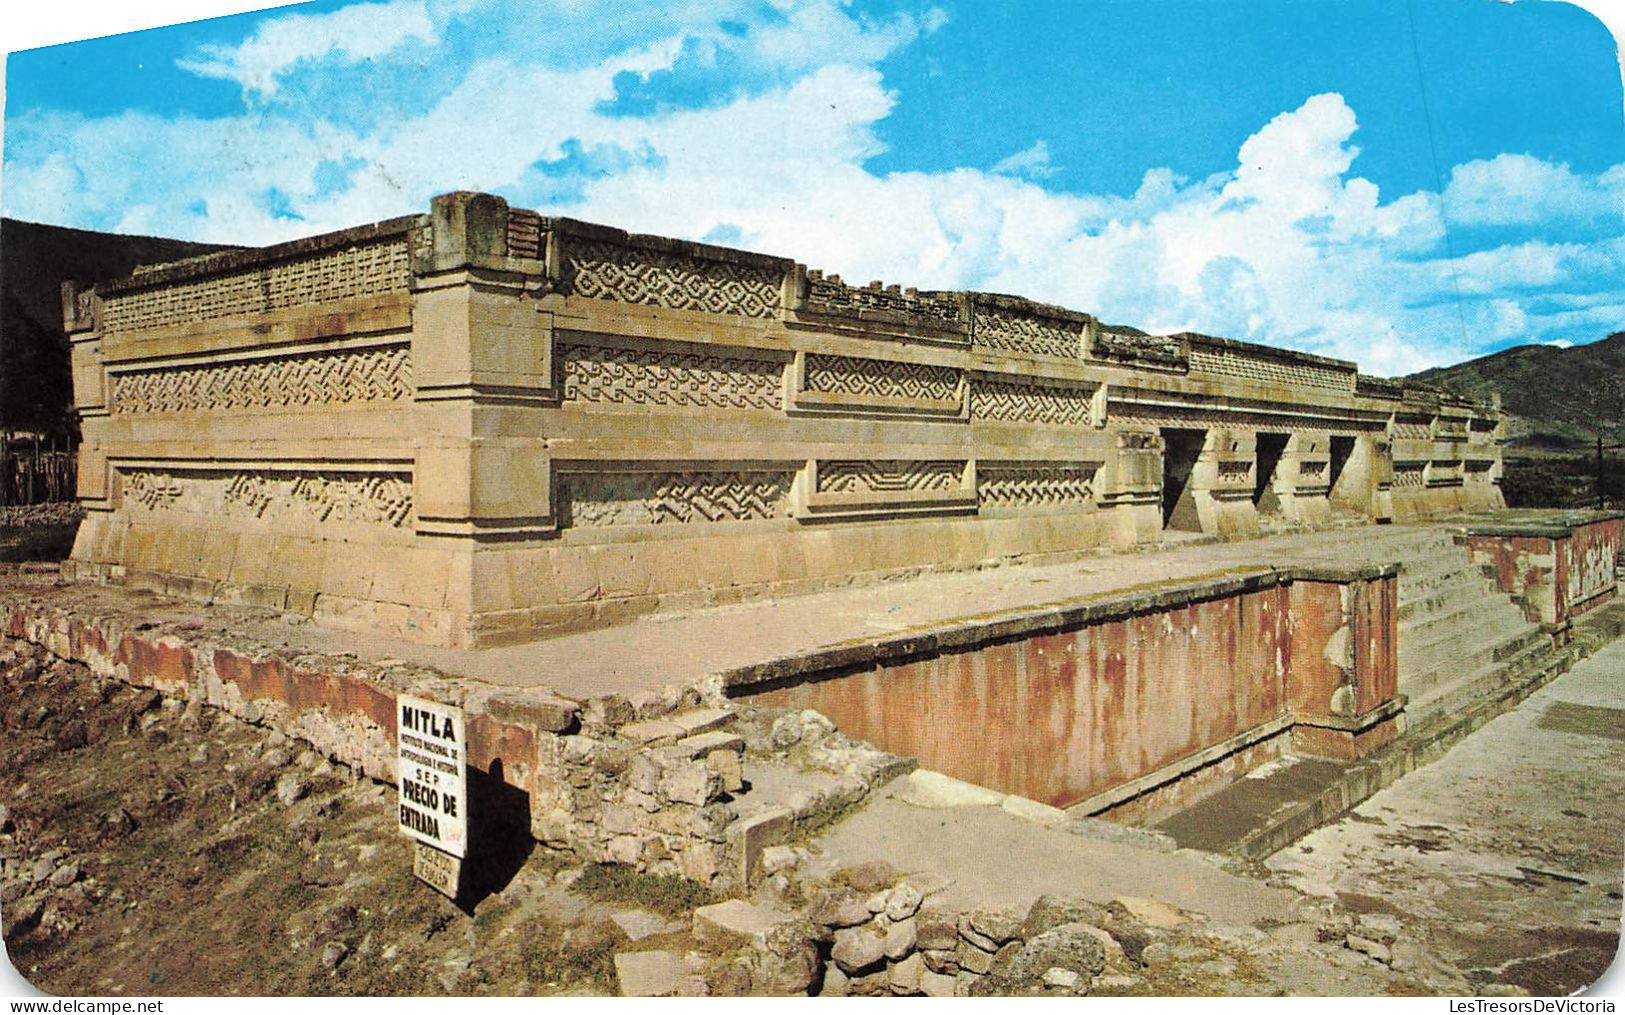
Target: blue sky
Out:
[1400,183]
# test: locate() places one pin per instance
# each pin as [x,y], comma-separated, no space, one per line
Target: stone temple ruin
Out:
[496,440]
[481,425]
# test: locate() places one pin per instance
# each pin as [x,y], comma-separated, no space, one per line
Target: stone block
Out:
[729,924]
[1151,912]
[690,784]
[650,974]
[858,948]
[542,712]
[753,833]
[651,731]
[703,720]
[906,975]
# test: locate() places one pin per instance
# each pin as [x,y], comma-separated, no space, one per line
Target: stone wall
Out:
[655,783]
[1132,705]
[480,424]
[1557,567]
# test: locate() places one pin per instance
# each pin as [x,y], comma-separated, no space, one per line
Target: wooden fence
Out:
[36,469]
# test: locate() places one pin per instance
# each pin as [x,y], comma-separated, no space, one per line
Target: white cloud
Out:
[1288,247]
[1511,190]
[1033,162]
[363,31]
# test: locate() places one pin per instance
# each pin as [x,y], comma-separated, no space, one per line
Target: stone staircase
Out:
[1460,638]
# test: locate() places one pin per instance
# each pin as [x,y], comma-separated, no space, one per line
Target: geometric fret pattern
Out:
[592,499]
[886,379]
[305,496]
[365,269]
[1031,402]
[1037,485]
[609,271]
[646,377]
[889,476]
[1001,329]
[1229,363]
[320,378]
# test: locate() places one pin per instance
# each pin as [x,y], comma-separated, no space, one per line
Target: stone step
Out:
[1445,698]
[1421,675]
[1441,597]
[1470,611]
[1421,586]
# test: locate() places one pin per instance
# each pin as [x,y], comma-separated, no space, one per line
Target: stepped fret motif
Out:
[609,271]
[325,378]
[594,499]
[1235,471]
[1312,469]
[1031,402]
[645,377]
[851,375]
[1024,485]
[1406,476]
[1229,363]
[371,498]
[889,476]
[365,269]
[1001,329]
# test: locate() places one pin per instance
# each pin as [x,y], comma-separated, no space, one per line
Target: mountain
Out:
[36,389]
[1554,398]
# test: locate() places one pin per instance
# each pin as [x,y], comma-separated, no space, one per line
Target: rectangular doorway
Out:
[1271,446]
[1342,449]
[1181,449]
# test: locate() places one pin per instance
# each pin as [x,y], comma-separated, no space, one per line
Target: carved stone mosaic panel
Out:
[645,377]
[1034,484]
[324,378]
[1012,332]
[603,498]
[1418,428]
[889,476]
[881,379]
[366,269]
[609,271]
[1407,476]
[1229,363]
[1032,402]
[314,496]
[1234,471]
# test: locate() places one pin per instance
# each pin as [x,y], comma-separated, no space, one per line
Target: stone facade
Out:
[477,425]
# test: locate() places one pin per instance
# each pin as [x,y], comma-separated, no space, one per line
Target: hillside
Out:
[1555,398]
[35,259]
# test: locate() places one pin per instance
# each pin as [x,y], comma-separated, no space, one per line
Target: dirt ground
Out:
[153,849]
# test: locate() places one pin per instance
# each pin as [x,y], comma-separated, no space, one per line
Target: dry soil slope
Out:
[1558,397]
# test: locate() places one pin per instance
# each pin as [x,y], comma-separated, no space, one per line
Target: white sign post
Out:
[433,779]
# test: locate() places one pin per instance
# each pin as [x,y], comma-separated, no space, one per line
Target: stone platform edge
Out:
[650,780]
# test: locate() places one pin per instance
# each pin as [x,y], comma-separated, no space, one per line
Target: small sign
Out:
[430,770]
[440,871]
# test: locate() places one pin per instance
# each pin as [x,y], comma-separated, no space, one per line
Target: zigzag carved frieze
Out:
[1001,485]
[1000,329]
[609,271]
[594,499]
[881,379]
[324,378]
[1031,402]
[644,377]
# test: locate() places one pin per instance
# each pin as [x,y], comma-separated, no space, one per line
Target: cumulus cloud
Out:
[724,126]
[1511,190]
